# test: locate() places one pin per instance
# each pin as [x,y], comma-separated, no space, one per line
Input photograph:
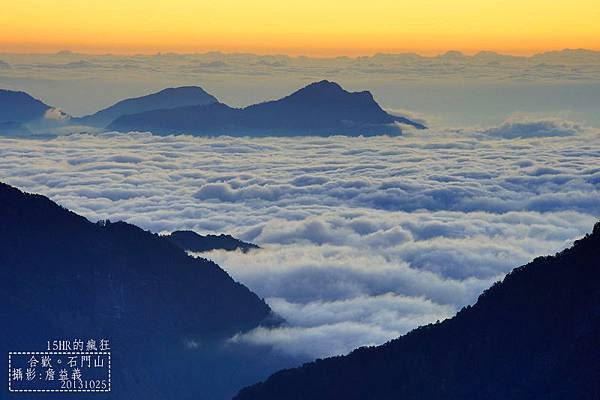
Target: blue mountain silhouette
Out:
[165,99]
[21,114]
[321,108]
[167,315]
[20,107]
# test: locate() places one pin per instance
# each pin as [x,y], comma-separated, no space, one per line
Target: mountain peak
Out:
[320,108]
[18,106]
[182,90]
[168,98]
[325,85]
[321,88]
[329,90]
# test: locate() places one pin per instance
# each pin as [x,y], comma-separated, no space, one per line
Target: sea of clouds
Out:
[362,239]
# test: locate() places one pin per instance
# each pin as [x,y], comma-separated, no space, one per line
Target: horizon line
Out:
[440,53]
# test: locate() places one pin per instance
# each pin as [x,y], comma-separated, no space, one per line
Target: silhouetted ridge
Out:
[332,91]
[19,107]
[532,336]
[65,243]
[321,108]
[64,277]
[24,115]
[164,99]
[189,240]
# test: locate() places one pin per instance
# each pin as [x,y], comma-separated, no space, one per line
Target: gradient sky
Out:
[313,27]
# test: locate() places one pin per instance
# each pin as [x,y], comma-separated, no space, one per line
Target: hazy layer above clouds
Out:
[363,238]
[450,89]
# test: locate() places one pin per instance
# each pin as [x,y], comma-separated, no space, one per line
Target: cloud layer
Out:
[363,238]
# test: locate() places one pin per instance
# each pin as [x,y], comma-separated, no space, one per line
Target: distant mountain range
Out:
[165,99]
[533,336]
[65,277]
[191,241]
[321,108]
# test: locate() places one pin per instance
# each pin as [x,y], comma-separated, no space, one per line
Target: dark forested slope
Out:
[535,335]
[63,277]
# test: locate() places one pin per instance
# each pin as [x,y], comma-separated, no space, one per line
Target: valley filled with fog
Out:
[362,239]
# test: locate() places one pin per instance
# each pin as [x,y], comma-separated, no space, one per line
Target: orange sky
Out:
[312,27]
